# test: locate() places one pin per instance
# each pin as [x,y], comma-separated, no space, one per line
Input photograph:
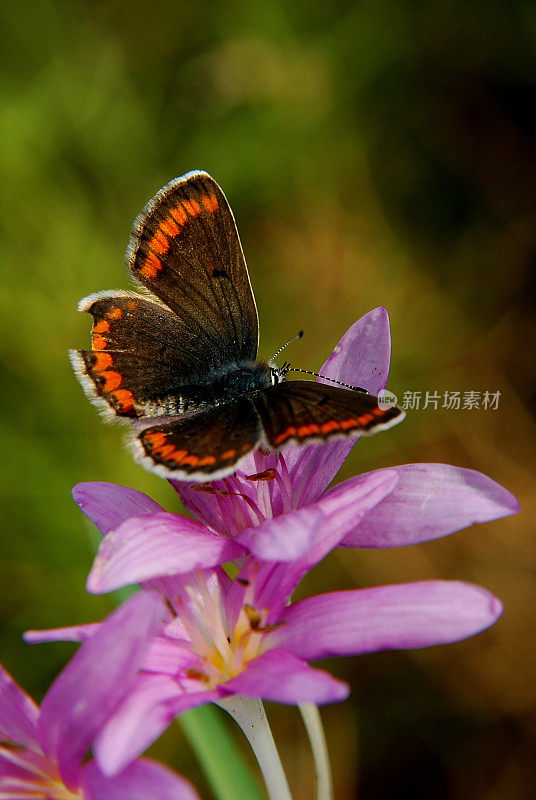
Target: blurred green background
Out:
[374,153]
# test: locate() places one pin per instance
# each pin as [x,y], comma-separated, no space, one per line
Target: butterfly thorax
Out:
[241,380]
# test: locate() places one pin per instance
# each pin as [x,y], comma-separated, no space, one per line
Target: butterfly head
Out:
[278,374]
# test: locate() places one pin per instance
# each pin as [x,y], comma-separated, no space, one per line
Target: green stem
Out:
[315,732]
[226,769]
[250,715]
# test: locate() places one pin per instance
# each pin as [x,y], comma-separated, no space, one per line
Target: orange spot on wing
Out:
[159,243]
[308,430]
[99,342]
[132,304]
[124,399]
[327,427]
[228,454]
[102,361]
[114,313]
[155,438]
[170,227]
[112,380]
[291,431]
[346,424]
[206,461]
[178,455]
[190,460]
[210,202]
[192,207]
[179,214]
[151,266]
[164,451]
[101,326]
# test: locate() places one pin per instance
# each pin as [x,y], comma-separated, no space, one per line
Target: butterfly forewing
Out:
[144,361]
[305,410]
[185,249]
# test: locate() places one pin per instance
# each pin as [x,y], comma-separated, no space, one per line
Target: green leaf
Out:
[226,769]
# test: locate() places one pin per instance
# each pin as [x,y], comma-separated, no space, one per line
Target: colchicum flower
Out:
[220,637]
[42,750]
[264,508]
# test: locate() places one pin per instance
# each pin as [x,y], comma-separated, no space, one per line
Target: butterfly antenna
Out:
[325,377]
[293,339]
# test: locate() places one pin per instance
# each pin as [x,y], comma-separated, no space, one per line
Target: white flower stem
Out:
[315,732]
[249,713]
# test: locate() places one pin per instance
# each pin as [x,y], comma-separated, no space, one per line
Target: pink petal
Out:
[280,676]
[274,583]
[170,656]
[142,717]
[431,500]
[347,507]
[18,714]
[94,682]
[156,545]
[361,358]
[108,504]
[141,780]
[401,616]
[73,633]
[285,538]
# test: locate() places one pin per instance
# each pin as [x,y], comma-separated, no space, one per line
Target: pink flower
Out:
[264,508]
[223,637]
[276,519]
[42,751]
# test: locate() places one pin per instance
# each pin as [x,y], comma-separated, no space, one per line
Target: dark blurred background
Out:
[374,153]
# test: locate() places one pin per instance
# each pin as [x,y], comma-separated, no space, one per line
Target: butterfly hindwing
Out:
[202,446]
[302,411]
[185,249]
